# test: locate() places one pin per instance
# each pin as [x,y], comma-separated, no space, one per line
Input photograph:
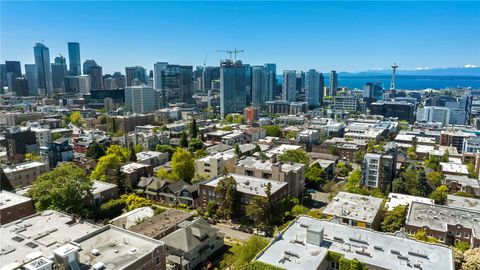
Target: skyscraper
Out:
[120,79]
[209,74]
[87,65]
[248,83]
[373,91]
[44,71]
[74,58]
[136,75]
[14,71]
[59,72]
[141,99]
[272,80]
[289,86]
[176,84]
[313,92]
[96,77]
[158,71]
[232,87]
[332,90]
[3,77]
[259,86]
[31,73]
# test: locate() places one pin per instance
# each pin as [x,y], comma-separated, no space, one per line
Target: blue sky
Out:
[346,36]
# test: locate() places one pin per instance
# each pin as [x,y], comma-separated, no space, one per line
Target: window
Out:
[157,260]
[466,235]
[459,233]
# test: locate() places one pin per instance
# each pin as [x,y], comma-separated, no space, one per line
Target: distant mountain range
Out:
[452,71]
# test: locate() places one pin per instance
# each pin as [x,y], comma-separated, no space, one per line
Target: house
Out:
[102,192]
[248,188]
[152,158]
[180,192]
[193,243]
[134,171]
[161,225]
[355,210]
[154,187]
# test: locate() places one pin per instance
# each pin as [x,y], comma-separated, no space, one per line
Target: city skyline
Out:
[331,48]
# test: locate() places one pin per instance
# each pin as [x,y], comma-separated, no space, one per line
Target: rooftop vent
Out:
[95,252]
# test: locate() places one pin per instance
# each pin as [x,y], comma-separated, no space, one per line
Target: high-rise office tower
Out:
[84,84]
[332,90]
[20,86]
[74,59]
[176,84]
[209,74]
[248,83]
[141,99]
[272,80]
[300,82]
[136,75]
[120,79]
[259,86]
[313,92]
[289,86]
[59,72]
[96,77]
[31,73]
[373,91]
[232,87]
[321,81]
[109,82]
[87,65]
[14,71]
[158,70]
[3,77]
[44,71]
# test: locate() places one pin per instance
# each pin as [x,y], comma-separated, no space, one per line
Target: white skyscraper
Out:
[434,114]
[141,99]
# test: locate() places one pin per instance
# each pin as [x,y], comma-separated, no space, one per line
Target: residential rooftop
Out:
[249,185]
[157,225]
[306,242]
[354,206]
[396,199]
[23,166]
[438,217]
[463,202]
[282,149]
[454,168]
[39,234]
[251,162]
[117,247]
[9,199]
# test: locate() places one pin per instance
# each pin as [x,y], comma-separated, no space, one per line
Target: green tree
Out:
[358,157]
[343,169]
[299,210]
[95,150]
[394,219]
[332,150]
[133,201]
[354,182]
[120,152]
[472,173]
[471,259]
[33,157]
[257,148]
[422,236]
[316,174]
[258,211]
[183,140]
[435,178]
[195,144]
[463,246]
[165,175]
[237,150]
[193,129]
[229,119]
[183,164]
[273,131]
[200,153]
[76,118]
[111,209]
[227,190]
[440,194]
[433,162]
[411,152]
[165,149]
[62,189]
[296,156]
[242,254]
[238,119]
[108,163]
[137,148]
[291,135]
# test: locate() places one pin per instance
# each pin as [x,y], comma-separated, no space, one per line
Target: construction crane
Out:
[205,61]
[230,52]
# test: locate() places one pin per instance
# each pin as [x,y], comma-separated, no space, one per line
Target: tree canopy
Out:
[62,189]
[194,145]
[297,156]
[227,190]
[440,194]
[242,254]
[316,174]
[76,118]
[95,150]
[183,165]
[394,219]
[273,131]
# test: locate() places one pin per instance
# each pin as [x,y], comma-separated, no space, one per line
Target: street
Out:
[231,233]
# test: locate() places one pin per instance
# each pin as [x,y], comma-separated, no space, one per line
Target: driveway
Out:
[231,233]
[320,200]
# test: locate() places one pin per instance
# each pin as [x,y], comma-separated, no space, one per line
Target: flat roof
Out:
[42,232]
[354,206]
[160,223]
[252,162]
[454,168]
[248,184]
[9,199]
[463,202]
[100,186]
[23,166]
[396,199]
[295,250]
[437,217]
[282,148]
[117,247]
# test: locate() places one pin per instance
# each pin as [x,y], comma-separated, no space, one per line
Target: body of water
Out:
[408,82]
